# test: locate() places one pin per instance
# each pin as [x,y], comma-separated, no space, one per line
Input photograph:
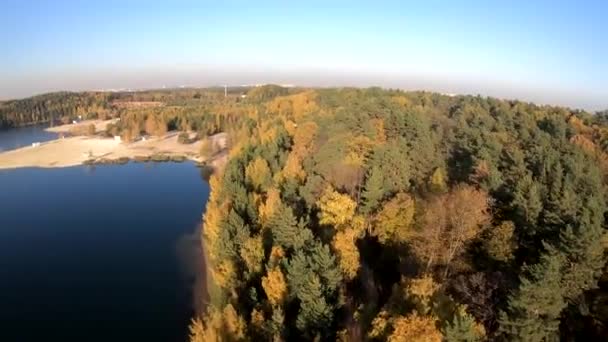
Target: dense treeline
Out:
[67,106]
[204,111]
[54,107]
[348,214]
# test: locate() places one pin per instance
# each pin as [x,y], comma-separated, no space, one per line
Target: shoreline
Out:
[100,125]
[84,150]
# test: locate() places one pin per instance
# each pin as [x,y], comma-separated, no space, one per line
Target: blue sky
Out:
[545,51]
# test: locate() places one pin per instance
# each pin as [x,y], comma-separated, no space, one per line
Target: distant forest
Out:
[383,215]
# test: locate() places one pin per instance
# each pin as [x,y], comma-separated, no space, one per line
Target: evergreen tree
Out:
[323,262]
[315,315]
[463,328]
[534,309]
[286,230]
[584,248]
[373,191]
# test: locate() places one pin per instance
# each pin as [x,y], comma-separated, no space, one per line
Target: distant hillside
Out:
[67,106]
[53,106]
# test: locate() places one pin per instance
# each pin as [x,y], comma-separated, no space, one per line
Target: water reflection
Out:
[191,255]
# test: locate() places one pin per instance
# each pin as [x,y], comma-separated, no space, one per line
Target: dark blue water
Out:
[11,139]
[92,253]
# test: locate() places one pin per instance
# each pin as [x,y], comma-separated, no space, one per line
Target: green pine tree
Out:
[463,328]
[315,314]
[534,309]
[286,230]
[373,191]
[323,262]
[584,249]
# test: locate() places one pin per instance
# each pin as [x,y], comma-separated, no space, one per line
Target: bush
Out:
[141,158]
[158,157]
[112,130]
[83,129]
[184,138]
[91,129]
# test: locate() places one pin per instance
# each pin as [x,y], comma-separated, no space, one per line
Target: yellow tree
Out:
[378,125]
[437,182]
[257,318]
[270,206]
[414,328]
[393,222]
[252,253]
[214,215]
[380,325]
[130,133]
[276,255]
[267,134]
[258,173]
[304,138]
[293,168]
[223,274]
[218,326]
[336,209]
[420,291]
[155,126]
[348,253]
[275,286]
[359,147]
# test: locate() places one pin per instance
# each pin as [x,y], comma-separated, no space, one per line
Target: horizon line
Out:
[294,85]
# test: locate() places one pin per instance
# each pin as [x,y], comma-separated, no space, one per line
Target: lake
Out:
[97,253]
[11,139]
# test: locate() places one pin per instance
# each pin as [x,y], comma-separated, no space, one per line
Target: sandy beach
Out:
[78,150]
[100,125]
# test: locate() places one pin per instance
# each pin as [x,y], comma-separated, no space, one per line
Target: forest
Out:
[382,215]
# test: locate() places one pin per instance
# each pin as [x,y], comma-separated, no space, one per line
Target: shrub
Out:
[160,157]
[184,138]
[178,158]
[91,129]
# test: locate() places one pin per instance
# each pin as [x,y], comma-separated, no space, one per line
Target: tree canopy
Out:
[389,215]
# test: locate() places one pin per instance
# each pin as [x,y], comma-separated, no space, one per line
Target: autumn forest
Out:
[383,215]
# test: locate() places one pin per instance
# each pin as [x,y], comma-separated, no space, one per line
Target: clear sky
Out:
[545,51]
